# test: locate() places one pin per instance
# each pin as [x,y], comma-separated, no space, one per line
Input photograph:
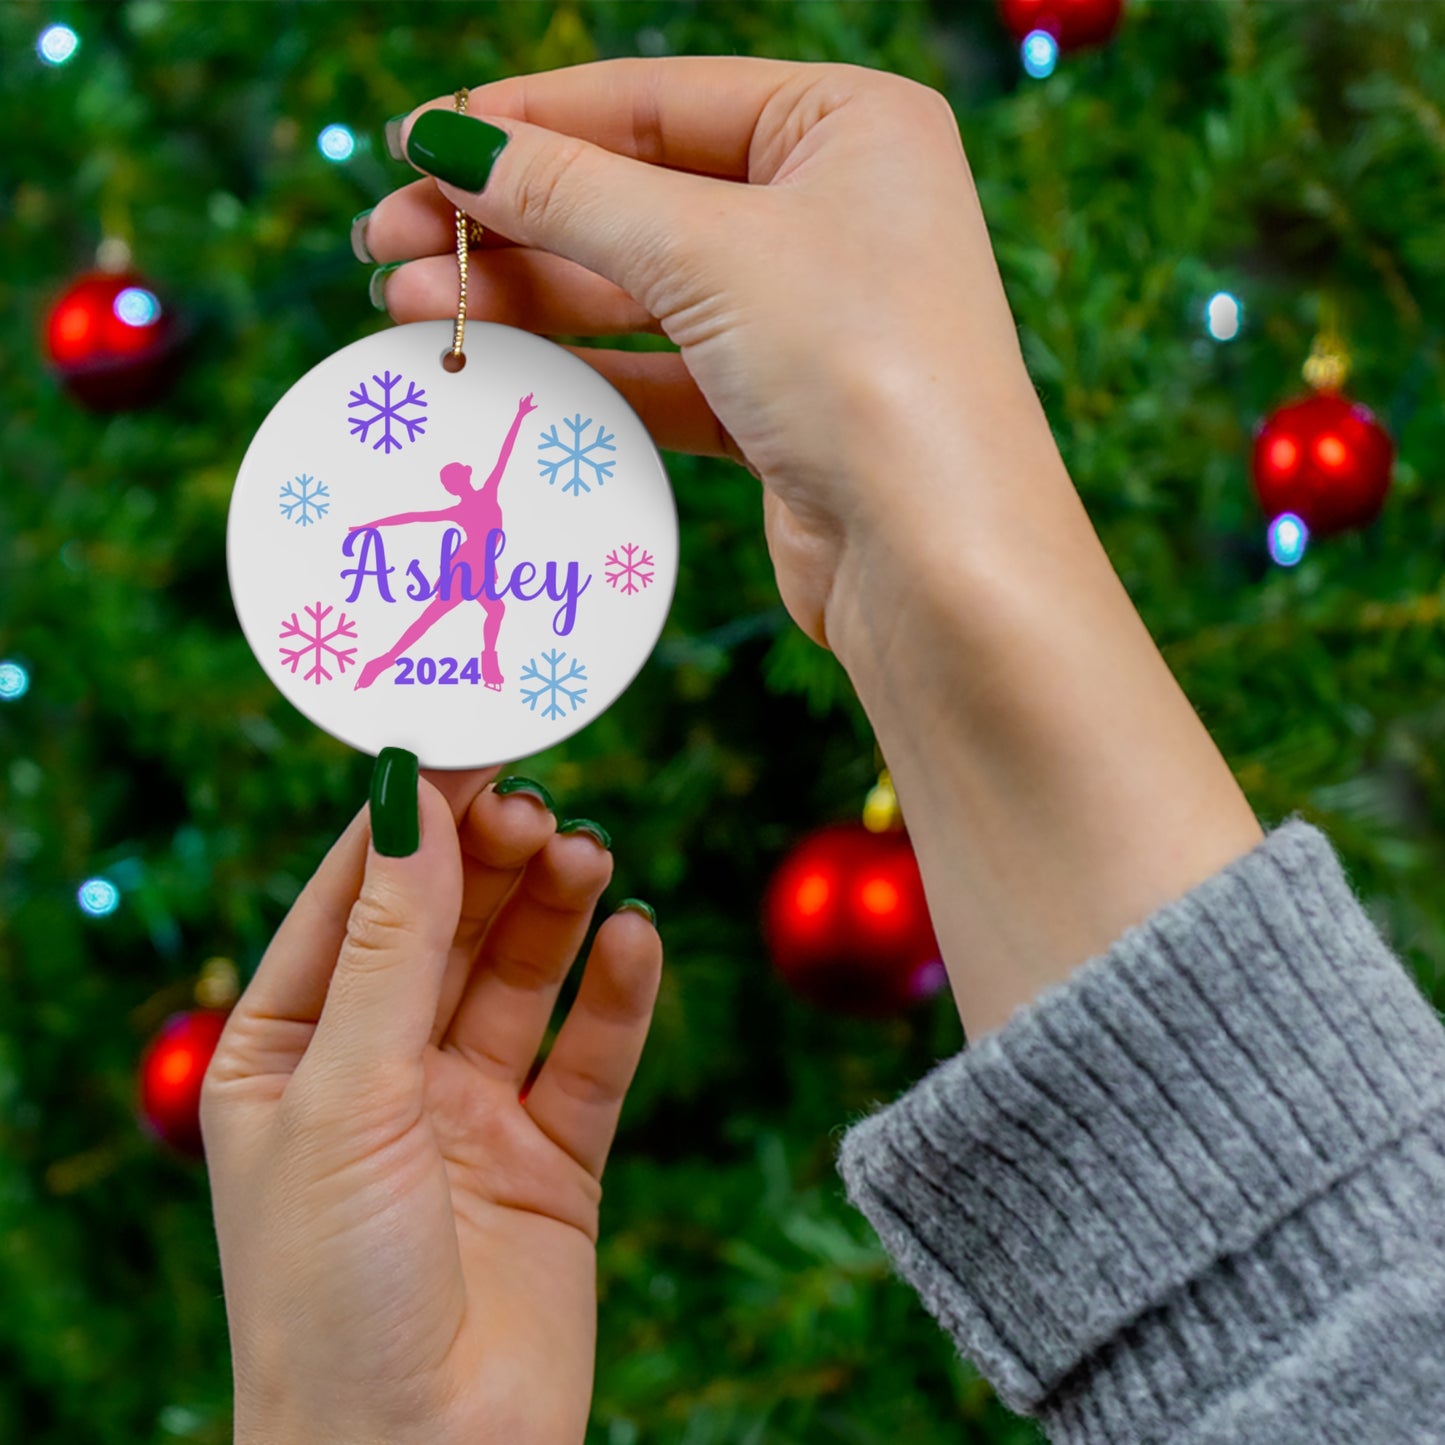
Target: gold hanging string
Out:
[469,233]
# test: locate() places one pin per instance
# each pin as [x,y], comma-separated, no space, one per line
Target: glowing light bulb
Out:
[57,44]
[177,1067]
[879,897]
[812,895]
[1223,316]
[1288,537]
[1283,454]
[336,143]
[1040,53]
[98,897]
[137,307]
[14,681]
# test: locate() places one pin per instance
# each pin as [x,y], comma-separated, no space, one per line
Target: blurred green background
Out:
[1292,154]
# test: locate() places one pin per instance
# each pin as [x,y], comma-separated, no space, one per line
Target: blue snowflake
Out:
[300,497]
[578,454]
[553,684]
[387,409]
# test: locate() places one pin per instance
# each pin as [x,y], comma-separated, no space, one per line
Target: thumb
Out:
[382,999]
[633,223]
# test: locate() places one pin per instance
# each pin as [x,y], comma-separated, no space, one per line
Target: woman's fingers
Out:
[459,787]
[417,220]
[516,286]
[272,1022]
[577,1097]
[659,388]
[697,113]
[500,835]
[502,1015]
[382,998]
[648,230]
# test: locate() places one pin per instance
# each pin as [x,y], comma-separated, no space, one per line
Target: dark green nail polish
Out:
[395,820]
[526,785]
[455,148]
[376,287]
[392,132]
[586,825]
[636,905]
[359,248]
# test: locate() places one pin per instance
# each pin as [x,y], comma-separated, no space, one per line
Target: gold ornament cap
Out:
[219,985]
[881,813]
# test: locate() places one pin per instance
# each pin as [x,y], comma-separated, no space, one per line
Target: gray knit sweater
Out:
[1196,1192]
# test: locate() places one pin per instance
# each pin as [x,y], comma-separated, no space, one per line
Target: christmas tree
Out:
[1179,215]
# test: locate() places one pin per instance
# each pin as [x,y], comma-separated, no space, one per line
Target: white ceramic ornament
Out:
[469,564]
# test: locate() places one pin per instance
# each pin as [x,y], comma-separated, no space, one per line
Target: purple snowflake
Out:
[629,568]
[387,409]
[317,643]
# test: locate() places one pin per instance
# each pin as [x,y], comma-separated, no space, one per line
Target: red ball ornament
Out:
[112,341]
[1073,23]
[171,1071]
[847,923]
[1324,458]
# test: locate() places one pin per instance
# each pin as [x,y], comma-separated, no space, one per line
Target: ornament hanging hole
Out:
[453,361]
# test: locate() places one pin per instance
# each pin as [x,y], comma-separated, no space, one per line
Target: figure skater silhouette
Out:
[476,512]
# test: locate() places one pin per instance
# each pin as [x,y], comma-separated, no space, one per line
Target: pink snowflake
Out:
[632,570]
[317,643]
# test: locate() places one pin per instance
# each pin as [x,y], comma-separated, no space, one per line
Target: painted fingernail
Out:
[395,820]
[455,148]
[376,287]
[526,785]
[586,825]
[359,248]
[636,905]
[393,136]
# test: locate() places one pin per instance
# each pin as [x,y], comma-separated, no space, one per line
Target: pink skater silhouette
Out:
[476,512]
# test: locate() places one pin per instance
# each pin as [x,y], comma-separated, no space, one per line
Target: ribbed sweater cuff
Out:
[1133,1156]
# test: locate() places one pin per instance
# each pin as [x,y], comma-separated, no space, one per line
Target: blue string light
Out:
[57,44]
[336,143]
[1288,537]
[137,307]
[14,681]
[98,897]
[1223,316]
[1040,53]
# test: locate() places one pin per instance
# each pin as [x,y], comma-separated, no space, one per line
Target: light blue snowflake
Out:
[578,454]
[302,496]
[387,409]
[553,685]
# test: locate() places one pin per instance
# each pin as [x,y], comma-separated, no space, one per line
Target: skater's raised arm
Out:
[494,480]
[402,517]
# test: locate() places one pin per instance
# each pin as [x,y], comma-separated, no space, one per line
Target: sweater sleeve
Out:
[1196,1192]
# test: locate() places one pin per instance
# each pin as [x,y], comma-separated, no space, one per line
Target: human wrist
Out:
[942,516]
[1057,784]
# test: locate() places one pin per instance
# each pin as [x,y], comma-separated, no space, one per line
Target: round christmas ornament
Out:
[171,1072]
[468,554]
[1326,459]
[847,923]
[1323,458]
[112,341]
[1072,23]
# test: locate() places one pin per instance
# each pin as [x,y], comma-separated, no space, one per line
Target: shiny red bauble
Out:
[1073,23]
[112,341]
[847,924]
[171,1071]
[1324,458]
